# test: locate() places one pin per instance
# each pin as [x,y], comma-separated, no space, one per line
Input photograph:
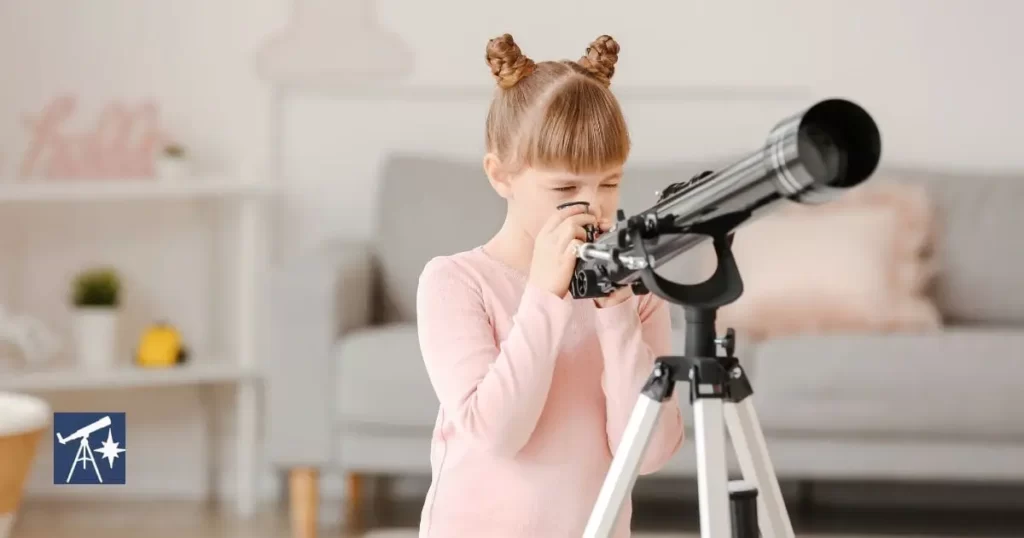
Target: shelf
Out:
[124,377]
[75,190]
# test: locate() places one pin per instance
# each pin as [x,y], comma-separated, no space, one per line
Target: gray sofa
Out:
[347,389]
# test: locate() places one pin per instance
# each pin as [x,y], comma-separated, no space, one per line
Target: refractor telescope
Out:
[85,431]
[811,157]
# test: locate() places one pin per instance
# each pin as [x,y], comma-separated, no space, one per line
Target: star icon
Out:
[110,450]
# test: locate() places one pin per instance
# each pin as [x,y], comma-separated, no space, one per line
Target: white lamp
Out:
[334,43]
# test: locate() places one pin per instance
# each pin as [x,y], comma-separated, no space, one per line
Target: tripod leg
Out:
[712,470]
[94,466]
[78,458]
[624,468]
[752,454]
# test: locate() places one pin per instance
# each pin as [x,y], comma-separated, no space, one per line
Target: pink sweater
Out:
[535,392]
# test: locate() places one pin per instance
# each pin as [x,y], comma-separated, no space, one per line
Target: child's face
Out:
[537,193]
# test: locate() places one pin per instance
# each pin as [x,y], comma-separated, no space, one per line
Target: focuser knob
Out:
[728,342]
[585,284]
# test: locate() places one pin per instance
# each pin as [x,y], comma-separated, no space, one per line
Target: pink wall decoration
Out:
[123,143]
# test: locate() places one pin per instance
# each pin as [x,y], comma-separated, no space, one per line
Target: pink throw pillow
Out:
[861,264]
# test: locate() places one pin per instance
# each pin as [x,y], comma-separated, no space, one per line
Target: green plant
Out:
[100,286]
[175,151]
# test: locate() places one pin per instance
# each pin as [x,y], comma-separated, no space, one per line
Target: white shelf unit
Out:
[114,190]
[240,368]
[206,371]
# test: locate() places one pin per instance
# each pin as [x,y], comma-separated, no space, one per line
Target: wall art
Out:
[123,142]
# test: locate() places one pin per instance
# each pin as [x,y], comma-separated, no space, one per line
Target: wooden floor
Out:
[177,520]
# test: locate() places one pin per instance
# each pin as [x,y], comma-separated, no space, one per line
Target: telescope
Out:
[83,433]
[811,157]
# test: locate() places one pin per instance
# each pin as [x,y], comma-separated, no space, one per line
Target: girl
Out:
[536,387]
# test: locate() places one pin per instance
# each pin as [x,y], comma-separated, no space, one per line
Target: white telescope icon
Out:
[83,433]
[84,454]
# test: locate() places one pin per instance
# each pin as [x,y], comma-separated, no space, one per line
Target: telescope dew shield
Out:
[817,155]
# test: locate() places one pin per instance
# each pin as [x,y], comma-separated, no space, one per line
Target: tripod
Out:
[720,393]
[85,456]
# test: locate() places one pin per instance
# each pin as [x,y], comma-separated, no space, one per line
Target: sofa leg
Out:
[805,496]
[356,485]
[304,500]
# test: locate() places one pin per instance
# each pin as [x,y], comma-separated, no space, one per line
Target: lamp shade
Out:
[334,43]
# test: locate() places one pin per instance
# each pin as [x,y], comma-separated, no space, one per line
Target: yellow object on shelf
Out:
[161,346]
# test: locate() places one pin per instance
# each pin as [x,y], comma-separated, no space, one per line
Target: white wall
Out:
[939,77]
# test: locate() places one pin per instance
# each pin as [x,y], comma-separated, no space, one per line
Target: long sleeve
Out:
[493,392]
[632,335]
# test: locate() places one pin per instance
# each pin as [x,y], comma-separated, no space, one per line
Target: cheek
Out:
[609,202]
[534,206]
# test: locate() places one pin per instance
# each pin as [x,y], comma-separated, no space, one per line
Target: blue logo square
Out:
[89,448]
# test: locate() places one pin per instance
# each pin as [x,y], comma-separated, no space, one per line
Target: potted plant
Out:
[96,298]
[172,163]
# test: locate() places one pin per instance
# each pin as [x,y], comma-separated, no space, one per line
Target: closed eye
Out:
[611,186]
[564,189]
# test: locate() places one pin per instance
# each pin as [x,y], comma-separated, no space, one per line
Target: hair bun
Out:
[508,64]
[600,58]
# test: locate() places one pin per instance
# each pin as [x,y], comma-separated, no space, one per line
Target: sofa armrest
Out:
[315,298]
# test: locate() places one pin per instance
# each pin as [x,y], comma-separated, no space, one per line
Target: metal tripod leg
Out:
[712,469]
[752,454]
[720,401]
[624,468]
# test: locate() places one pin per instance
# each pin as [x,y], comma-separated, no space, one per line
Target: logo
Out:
[90,448]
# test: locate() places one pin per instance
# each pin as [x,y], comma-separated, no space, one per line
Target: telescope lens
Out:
[838,143]
[821,155]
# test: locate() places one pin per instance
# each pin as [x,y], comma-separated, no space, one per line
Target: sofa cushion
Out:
[958,384]
[383,386]
[980,260]
[381,380]
[798,278]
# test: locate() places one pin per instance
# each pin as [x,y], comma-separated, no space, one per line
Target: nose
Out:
[590,196]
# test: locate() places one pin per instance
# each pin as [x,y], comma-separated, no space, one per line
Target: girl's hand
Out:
[554,254]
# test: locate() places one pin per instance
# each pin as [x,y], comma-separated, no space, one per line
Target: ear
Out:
[497,176]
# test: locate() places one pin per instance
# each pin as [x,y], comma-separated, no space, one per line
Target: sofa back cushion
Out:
[430,206]
[427,207]
[433,206]
[980,244]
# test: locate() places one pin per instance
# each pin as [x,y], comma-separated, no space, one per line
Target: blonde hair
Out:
[556,114]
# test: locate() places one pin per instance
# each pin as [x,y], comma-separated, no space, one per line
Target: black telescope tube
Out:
[811,157]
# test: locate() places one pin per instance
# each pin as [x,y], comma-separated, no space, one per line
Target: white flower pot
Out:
[170,168]
[95,331]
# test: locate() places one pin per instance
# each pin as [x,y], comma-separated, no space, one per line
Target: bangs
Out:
[579,128]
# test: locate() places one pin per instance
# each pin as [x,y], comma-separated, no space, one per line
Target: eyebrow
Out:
[576,181]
